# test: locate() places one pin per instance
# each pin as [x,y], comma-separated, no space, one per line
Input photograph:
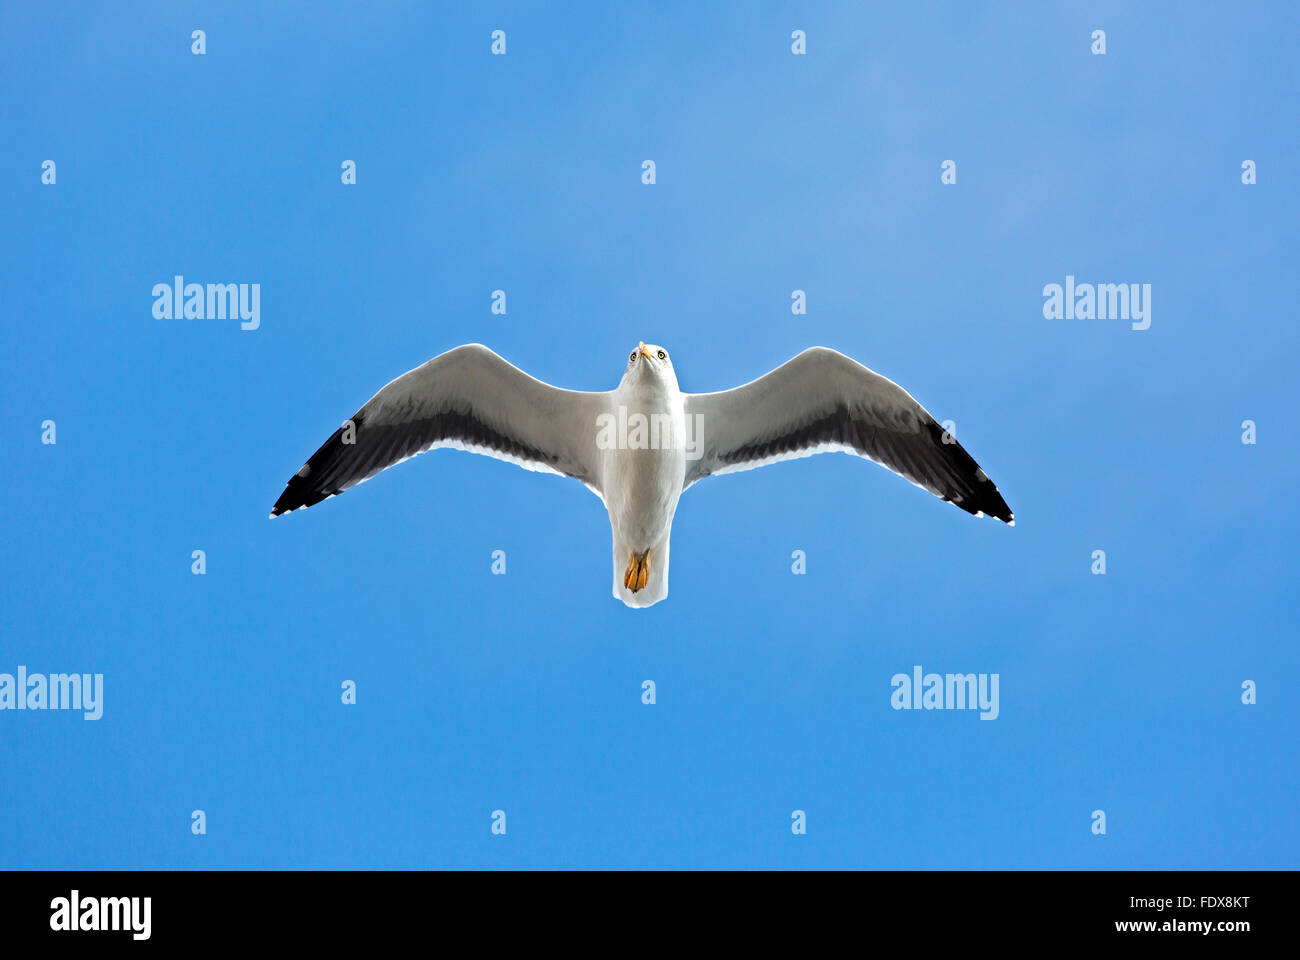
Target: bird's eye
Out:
[632,357]
[662,355]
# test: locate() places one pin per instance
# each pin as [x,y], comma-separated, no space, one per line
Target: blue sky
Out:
[522,692]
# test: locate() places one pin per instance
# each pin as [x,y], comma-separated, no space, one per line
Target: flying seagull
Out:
[639,446]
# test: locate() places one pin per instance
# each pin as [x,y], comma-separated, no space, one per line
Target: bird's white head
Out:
[650,364]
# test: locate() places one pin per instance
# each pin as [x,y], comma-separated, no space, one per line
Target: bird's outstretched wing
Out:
[467,398]
[821,400]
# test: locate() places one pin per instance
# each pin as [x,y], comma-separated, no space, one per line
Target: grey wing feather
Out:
[467,398]
[822,400]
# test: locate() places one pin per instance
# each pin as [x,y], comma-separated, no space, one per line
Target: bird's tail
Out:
[655,574]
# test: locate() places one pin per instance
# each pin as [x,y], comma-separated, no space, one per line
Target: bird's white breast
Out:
[646,464]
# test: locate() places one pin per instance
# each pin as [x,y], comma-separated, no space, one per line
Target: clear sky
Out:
[775,172]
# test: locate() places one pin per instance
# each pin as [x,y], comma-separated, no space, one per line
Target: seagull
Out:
[640,446]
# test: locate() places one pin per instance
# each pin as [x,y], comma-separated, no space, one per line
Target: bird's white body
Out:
[638,447]
[642,484]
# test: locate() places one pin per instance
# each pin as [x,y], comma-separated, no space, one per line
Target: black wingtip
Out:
[298,492]
[285,504]
[312,483]
[984,498]
[987,501]
[1002,512]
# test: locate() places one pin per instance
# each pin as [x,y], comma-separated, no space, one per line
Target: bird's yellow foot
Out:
[638,571]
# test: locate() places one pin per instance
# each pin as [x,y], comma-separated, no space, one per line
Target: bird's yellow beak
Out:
[640,348]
